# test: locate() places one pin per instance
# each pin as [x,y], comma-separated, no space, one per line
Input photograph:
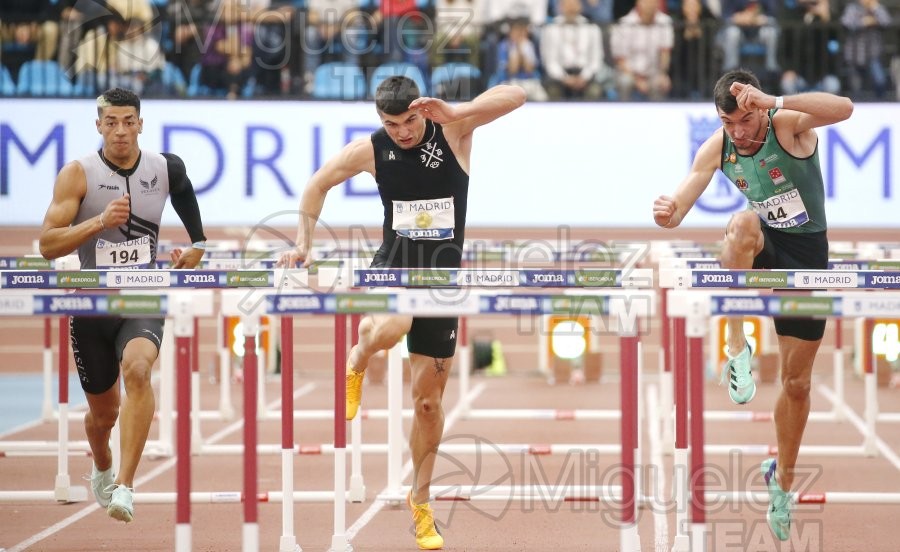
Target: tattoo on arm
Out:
[439,366]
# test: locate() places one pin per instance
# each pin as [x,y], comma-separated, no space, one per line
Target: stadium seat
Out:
[43,78]
[392,68]
[7,85]
[173,79]
[197,90]
[456,81]
[339,81]
[87,83]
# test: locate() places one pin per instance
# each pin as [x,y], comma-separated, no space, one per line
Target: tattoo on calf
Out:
[439,366]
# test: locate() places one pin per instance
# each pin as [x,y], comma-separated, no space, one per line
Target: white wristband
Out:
[199,245]
[779,102]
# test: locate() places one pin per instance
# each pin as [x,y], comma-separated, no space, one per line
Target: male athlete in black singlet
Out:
[420,161]
[108,206]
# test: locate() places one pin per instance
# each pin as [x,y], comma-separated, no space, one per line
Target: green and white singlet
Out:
[787,192]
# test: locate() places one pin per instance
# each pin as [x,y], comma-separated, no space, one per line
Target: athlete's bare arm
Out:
[801,114]
[58,236]
[356,157]
[459,121]
[669,211]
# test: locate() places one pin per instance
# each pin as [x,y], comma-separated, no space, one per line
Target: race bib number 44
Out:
[782,211]
[134,252]
[427,219]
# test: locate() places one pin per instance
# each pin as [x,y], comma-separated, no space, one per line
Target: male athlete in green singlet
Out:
[769,149]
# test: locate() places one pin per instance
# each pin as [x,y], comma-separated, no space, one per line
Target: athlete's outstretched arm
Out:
[58,237]
[669,211]
[801,112]
[488,106]
[358,156]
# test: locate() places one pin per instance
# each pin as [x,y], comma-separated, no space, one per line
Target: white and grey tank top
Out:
[148,186]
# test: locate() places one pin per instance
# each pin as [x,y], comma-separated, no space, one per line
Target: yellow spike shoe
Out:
[427,535]
[354,392]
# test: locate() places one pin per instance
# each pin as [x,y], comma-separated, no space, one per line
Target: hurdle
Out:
[667,267]
[690,309]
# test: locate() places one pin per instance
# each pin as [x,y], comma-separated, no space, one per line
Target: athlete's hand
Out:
[289,259]
[437,110]
[186,259]
[116,212]
[750,98]
[664,211]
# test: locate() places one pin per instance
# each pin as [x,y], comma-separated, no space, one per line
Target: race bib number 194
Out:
[134,252]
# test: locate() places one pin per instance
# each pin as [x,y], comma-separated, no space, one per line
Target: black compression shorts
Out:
[782,250]
[99,342]
[433,337]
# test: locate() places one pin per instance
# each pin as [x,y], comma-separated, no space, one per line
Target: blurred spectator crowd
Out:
[341,49]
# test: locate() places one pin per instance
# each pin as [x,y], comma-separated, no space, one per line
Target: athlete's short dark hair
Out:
[394,94]
[725,101]
[118,97]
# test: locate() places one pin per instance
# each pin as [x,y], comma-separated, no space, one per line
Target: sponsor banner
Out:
[429,278]
[359,304]
[807,279]
[523,304]
[313,269]
[66,304]
[711,264]
[377,278]
[714,278]
[883,265]
[16,305]
[136,304]
[26,263]
[871,307]
[233,161]
[807,306]
[249,278]
[294,304]
[766,279]
[741,305]
[26,280]
[588,256]
[596,278]
[578,305]
[484,255]
[198,279]
[488,278]
[883,281]
[435,304]
[848,265]
[138,279]
[546,278]
[81,279]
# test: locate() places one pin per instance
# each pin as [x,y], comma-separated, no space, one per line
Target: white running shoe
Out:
[121,505]
[102,483]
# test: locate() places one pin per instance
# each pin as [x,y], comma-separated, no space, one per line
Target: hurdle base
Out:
[289,544]
[682,544]
[339,543]
[357,490]
[629,539]
[65,492]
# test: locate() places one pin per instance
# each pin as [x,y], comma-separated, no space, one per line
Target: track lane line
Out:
[153,474]
[378,504]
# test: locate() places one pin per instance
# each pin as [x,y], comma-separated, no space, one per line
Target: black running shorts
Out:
[433,337]
[782,250]
[99,342]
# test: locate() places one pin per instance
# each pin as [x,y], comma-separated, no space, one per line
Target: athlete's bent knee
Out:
[104,418]
[427,408]
[797,388]
[136,373]
[744,230]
